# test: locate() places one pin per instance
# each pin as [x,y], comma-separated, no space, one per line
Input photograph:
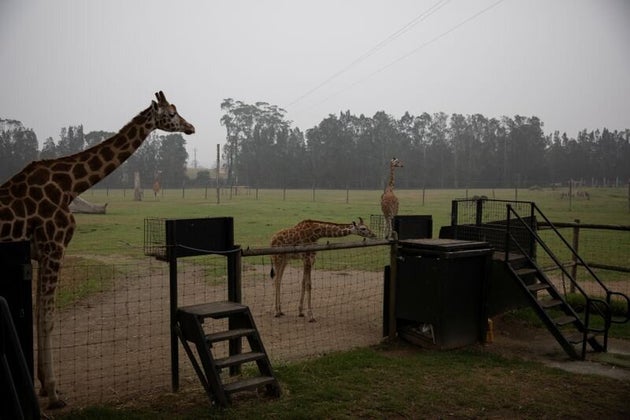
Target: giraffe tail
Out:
[272,273]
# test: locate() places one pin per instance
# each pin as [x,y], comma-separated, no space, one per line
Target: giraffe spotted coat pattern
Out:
[34,206]
[307,232]
[389,201]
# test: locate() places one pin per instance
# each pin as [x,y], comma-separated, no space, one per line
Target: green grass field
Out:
[258,214]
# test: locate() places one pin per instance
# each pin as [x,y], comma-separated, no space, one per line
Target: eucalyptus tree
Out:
[364,159]
[254,133]
[18,147]
[238,121]
[331,148]
[49,149]
[439,162]
[262,153]
[71,140]
[171,160]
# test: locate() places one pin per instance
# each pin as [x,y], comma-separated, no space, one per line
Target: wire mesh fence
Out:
[112,332]
[604,248]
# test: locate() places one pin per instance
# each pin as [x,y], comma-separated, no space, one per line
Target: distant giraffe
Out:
[156,184]
[305,233]
[34,206]
[389,201]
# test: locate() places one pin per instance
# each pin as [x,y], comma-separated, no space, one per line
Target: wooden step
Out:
[538,286]
[214,309]
[577,338]
[249,383]
[564,320]
[546,304]
[229,335]
[238,359]
[522,272]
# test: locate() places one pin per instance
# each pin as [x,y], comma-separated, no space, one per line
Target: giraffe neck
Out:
[391,177]
[90,166]
[314,230]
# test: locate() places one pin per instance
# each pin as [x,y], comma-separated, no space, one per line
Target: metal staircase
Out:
[574,330]
[189,329]
[557,314]
[515,239]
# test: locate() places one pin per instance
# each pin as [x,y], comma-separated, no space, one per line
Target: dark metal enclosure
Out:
[440,291]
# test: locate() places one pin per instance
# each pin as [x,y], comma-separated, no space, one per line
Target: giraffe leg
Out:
[48,272]
[387,227]
[306,288]
[280,264]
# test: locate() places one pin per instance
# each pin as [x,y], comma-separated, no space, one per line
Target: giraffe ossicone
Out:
[34,206]
[307,232]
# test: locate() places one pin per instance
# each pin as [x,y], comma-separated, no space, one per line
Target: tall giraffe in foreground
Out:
[389,201]
[307,232]
[34,206]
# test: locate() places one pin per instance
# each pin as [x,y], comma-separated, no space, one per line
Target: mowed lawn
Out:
[259,213]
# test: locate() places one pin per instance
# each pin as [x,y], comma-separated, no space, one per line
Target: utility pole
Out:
[218,173]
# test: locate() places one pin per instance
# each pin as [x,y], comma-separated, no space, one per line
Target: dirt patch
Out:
[514,338]
[114,346]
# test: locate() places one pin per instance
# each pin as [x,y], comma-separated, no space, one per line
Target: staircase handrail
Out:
[566,243]
[539,240]
[589,302]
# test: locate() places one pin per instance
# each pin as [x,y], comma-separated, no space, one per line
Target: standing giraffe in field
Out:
[389,201]
[307,232]
[34,206]
[156,184]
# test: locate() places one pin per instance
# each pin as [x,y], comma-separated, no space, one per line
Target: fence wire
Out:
[112,332]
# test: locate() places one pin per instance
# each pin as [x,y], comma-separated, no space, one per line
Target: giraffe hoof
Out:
[279,314]
[301,315]
[312,320]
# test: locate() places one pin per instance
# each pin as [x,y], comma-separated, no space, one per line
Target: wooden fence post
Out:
[393,272]
[218,173]
[576,247]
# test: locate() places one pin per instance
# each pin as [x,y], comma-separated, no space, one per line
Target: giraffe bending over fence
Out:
[307,232]
[389,201]
[34,205]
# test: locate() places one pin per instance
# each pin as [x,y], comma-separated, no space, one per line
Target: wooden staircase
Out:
[189,328]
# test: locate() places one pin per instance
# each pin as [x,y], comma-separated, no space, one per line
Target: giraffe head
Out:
[395,163]
[167,118]
[361,229]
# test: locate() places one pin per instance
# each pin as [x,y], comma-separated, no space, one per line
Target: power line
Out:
[419,18]
[414,51]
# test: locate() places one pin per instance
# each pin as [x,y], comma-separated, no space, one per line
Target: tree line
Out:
[439,151]
[264,150]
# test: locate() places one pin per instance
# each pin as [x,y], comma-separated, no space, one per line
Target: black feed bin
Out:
[413,226]
[440,296]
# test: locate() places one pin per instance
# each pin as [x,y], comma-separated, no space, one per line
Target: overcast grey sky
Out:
[98,63]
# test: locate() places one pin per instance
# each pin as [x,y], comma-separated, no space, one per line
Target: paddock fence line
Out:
[111,338]
[604,248]
[112,330]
